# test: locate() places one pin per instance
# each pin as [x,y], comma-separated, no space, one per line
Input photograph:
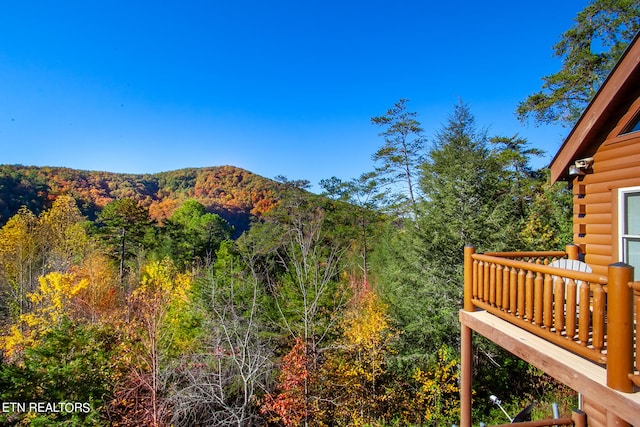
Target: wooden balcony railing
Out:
[588,314]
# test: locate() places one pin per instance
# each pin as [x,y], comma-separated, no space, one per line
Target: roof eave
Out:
[595,116]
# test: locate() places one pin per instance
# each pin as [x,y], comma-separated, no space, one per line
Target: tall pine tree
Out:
[467,200]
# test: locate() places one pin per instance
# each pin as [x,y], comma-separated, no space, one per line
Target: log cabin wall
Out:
[602,132]
[597,414]
[616,164]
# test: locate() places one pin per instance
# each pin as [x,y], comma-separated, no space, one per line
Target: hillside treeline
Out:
[339,309]
[233,193]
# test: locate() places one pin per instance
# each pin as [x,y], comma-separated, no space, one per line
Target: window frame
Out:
[633,126]
[623,236]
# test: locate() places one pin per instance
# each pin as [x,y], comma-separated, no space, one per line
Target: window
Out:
[634,126]
[629,226]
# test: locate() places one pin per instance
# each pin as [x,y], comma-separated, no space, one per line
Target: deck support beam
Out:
[466,375]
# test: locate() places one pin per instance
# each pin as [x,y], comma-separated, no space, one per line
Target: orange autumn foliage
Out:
[289,405]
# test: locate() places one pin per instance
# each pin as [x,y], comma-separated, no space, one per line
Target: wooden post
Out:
[521,294]
[466,375]
[528,284]
[579,418]
[468,278]
[466,362]
[620,327]
[573,251]
[492,284]
[547,299]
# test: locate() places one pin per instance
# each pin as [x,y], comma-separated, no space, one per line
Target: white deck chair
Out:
[574,265]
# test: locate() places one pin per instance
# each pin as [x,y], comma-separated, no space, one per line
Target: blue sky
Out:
[275,87]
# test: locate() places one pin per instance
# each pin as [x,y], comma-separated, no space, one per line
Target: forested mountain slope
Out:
[340,309]
[233,193]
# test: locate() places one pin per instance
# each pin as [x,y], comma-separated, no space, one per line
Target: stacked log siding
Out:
[616,165]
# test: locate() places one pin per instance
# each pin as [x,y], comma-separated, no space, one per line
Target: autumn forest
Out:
[214,296]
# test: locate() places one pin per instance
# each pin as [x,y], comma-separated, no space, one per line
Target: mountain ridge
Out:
[234,193]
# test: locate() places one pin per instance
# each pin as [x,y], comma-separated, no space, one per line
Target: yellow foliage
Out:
[164,297]
[367,334]
[536,231]
[439,391]
[355,371]
[101,298]
[365,325]
[162,283]
[19,246]
[14,341]
[55,293]
[51,301]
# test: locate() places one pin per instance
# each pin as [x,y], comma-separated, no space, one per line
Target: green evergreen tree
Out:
[403,149]
[357,216]
[192,235]
[73,363]
[467,194]
[124,224]
[467,200]
[548,218]
[588,50]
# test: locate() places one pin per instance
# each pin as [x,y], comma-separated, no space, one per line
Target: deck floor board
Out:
[580,374]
